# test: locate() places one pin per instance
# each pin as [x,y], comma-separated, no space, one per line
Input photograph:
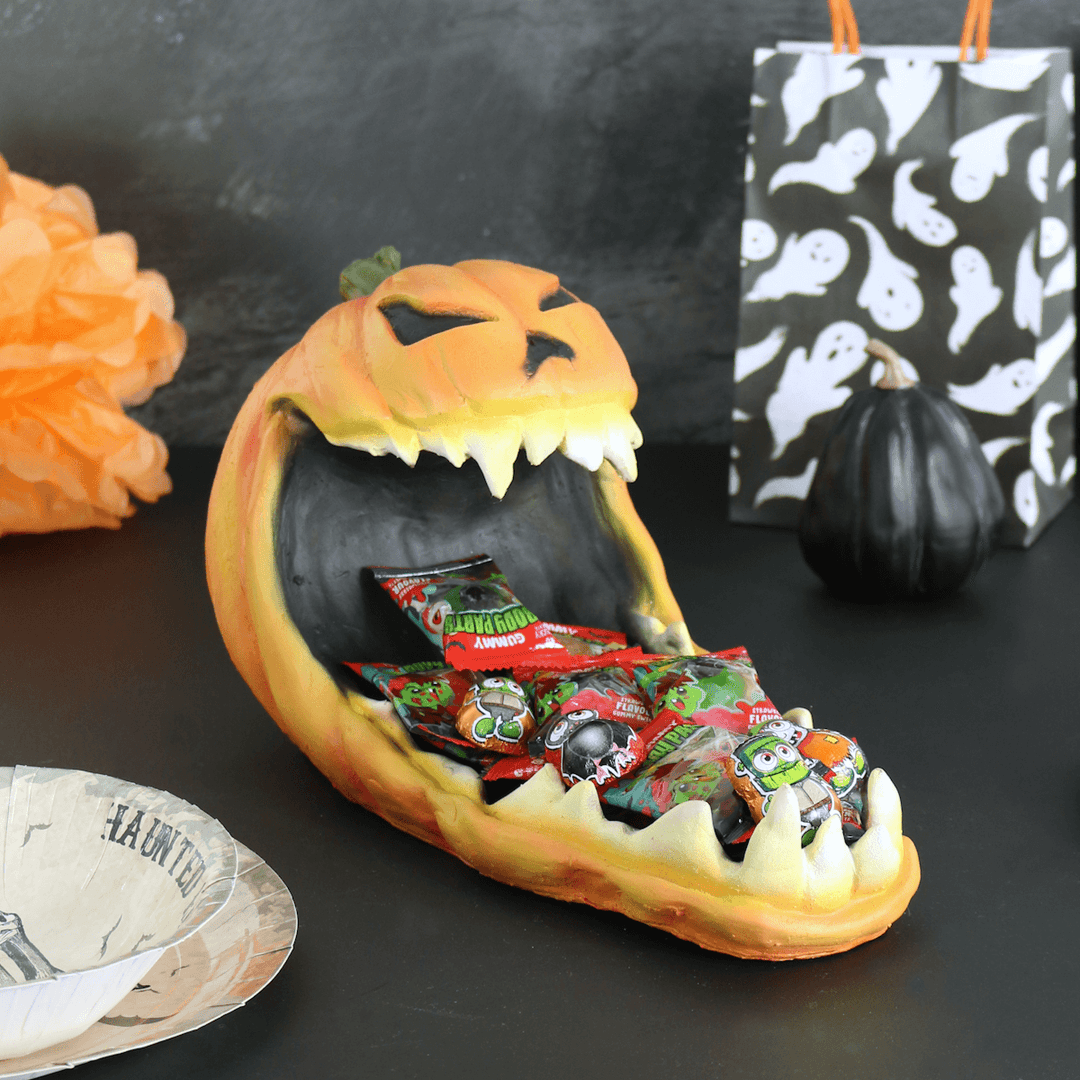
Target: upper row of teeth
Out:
[587,436]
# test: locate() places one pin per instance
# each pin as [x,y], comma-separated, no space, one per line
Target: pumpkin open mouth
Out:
[342,509]
[323,475]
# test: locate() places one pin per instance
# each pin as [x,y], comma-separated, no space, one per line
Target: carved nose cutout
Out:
[559,298]
[541,348]
[410,325]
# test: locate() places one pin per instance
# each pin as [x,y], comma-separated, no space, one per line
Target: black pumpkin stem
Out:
[364,276]
[894,378]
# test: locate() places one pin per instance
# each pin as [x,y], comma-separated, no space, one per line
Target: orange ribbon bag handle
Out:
[845,31]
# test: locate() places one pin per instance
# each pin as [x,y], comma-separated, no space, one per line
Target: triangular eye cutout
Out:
[411,326]
[541,348]
[559,298]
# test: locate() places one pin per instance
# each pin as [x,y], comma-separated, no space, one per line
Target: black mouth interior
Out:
[342,510]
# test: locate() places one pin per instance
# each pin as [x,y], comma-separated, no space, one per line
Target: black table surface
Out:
[407,963]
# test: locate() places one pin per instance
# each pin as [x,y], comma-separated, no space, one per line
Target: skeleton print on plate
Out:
[20,961]
[902,195]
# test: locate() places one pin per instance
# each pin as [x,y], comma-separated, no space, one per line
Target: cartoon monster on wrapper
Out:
[496,716]
[442,411]
[763,764]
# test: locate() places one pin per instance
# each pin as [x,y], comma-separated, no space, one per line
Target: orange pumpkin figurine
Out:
[520,398]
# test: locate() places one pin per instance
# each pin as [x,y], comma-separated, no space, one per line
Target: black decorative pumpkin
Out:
[904,502]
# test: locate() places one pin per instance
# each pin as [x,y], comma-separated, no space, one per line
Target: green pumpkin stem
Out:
[894,378]
[364,276]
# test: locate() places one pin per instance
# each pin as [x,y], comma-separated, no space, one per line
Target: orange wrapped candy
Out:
[83,333]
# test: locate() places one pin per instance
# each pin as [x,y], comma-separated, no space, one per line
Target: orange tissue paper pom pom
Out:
[83,332]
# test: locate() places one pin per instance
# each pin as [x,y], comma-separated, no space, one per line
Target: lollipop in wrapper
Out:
[427,696]
[495,715]
[837,760]
[467,609]
[762,764]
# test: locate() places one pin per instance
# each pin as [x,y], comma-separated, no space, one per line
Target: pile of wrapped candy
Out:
[515,694]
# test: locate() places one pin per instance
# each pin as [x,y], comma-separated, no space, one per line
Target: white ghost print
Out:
[982,155]
[1025,498]
[974,294]
[1063,277]
[913,210]
[1028,291]
[835,167]
[739,416]
[805,266]
[1006,73]
[750,170]
[1038,167]
[1041,442]
[761,55]
[751,358]
[1002,390]
[811,384]
[733,482]
[1067,174]
[758,240]
[907,89]
[1067,92]
[996,447]
[888,291]
[787,487]
[1053,236]
[1068,470]
[1050,351]
[816,78]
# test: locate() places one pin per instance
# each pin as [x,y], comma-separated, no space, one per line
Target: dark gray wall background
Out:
[255,148]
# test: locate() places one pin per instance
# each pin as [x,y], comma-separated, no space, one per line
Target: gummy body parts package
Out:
[467,609]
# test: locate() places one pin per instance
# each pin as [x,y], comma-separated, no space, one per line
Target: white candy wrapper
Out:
[98,877]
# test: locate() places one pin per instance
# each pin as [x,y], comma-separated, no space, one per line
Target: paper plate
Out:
[98,877]
[220,967]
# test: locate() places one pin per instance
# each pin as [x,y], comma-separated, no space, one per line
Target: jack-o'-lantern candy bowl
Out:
[481,408]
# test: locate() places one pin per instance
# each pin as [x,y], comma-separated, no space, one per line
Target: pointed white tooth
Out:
[582,804]
[883,805]
[684,839]
[405,444]
[542,435]
[877,859]
[673,639]
[495,451]
[773,865]
[830,869]
[800,716]
[450,447]
[620,453]
[586,448]
[537,795]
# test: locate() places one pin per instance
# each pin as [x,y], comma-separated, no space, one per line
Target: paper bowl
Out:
[98,877]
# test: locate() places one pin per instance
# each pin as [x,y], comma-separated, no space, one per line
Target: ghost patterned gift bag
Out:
[905,194]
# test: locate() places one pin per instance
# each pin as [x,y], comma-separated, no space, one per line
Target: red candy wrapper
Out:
[718,689]
[467,609]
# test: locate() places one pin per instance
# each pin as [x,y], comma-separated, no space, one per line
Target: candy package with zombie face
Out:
[590,723]
[716,689]
[837,760]
[687,763]
[467,609]
[427,697]
[495,715]
[760,765]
